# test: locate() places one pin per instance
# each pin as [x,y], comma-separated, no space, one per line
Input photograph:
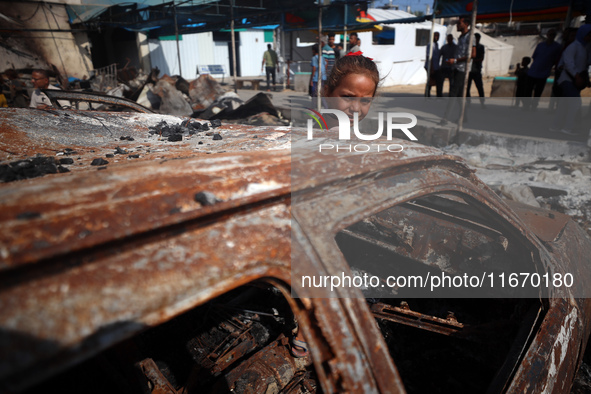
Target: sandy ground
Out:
[420,89]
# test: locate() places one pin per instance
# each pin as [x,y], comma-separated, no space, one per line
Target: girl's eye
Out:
[365,101]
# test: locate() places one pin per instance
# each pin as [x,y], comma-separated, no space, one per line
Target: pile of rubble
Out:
[206,99]
[558,183]
[203,97]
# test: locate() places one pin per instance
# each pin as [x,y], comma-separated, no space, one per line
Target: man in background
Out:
[476,70]
[447,52]
[545,56]
[329,54]
[354,42]
[435,76]
[39,100]
[463,56]
[271,64]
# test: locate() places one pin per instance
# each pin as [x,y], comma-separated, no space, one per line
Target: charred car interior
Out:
[462,344]
[237,342]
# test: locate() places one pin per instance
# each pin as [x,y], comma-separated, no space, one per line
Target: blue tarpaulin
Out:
[489,10]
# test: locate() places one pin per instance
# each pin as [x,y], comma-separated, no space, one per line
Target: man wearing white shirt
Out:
[39,100]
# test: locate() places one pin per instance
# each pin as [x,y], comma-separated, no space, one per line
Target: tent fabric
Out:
[489,10]
[403,62]
[209,15]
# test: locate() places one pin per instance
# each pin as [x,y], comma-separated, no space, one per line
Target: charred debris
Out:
[202,98]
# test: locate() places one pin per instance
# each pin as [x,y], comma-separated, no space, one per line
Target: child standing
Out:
[352,83]
[521,73]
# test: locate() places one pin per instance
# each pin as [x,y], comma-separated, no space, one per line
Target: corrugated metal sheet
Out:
[252,48]
[196,49]
[221,56]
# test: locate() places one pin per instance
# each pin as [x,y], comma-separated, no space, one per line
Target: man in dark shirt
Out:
[448,51]
[476,70]
[435,67]
[545,56]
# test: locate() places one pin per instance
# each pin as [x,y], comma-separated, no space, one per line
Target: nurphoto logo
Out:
[345,124]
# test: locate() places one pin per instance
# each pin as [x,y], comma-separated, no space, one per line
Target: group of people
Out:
[450,62]
[570,62]
[331,52]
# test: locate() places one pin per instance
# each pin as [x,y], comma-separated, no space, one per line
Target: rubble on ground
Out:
[204,91]
[558,183]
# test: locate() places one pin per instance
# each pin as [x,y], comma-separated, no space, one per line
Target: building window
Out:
[422,37]
[385,37]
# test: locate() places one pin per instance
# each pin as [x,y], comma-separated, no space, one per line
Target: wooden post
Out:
[468,65]
[345,32]
[233,44]
[176,33]
[430,55]
[320,59]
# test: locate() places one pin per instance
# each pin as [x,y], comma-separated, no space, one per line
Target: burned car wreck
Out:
[183,269]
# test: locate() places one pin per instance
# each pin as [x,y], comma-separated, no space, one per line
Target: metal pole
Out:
[430,57]
[320,59]
[569,15]
[468,65]
[233,43]
[345,32]
[176,33]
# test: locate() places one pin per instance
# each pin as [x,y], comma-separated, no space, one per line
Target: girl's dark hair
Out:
[352,65]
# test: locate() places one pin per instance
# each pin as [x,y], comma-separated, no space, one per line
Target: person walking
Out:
[435,76]
[476,71]
[545,56]
[270,63]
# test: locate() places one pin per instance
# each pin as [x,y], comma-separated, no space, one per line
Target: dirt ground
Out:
[420,89]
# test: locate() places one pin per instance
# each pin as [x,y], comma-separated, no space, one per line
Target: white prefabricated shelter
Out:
[200,49]
[399,49]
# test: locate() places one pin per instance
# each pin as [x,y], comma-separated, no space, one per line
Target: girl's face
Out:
[353,94]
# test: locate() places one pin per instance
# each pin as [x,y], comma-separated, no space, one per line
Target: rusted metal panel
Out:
[158,382]
[545,224]
[74,306]
[88,209]
[553,354]
[404,315]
